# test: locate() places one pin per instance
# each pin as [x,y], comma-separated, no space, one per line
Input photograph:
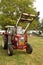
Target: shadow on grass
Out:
[19,52]
[16,52]
[2,51]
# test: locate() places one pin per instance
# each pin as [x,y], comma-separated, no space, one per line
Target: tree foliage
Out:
[11,10]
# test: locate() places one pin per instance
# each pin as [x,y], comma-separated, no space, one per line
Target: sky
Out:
[39,7]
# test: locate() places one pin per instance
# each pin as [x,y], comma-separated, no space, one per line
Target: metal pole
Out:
[18,20]
[26,27]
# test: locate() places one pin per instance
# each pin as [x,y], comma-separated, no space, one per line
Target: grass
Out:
[21,57]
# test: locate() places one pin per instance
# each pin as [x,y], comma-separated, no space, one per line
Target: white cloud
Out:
[39,6]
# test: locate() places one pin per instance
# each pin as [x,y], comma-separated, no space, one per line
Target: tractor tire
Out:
[28,48]
[4,44]
[10,50]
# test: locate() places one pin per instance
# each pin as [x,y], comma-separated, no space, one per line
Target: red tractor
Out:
[14,36]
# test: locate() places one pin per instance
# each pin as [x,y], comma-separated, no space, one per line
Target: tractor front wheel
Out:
[10,50]
[28,48]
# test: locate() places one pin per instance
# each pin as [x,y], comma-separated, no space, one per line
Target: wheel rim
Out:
[3,44]
[8,51]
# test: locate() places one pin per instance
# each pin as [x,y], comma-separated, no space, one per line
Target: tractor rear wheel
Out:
[28,48]
[4,44]
[10,50]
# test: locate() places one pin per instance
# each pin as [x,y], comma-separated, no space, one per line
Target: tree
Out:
[11,10]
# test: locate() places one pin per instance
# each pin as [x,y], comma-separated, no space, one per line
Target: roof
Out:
[8,26]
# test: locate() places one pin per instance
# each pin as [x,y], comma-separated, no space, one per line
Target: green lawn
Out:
[21,57]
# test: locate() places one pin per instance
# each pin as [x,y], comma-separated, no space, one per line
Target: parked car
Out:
[41,35]
[2,31]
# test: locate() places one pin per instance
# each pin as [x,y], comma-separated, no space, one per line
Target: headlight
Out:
[22,38]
